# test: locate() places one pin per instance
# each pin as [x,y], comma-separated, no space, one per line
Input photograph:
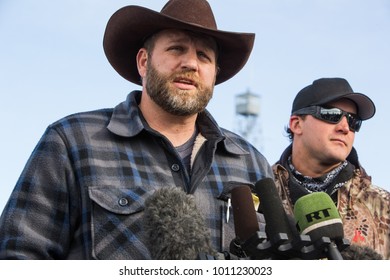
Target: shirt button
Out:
[123,201]
[175,167]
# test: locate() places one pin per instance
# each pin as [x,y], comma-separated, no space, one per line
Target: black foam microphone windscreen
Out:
[175,228]
[244,213]
[271,206]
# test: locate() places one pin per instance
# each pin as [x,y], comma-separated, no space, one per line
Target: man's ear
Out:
[295,124]
[142,61]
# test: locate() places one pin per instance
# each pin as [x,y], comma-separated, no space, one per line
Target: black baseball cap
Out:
[326,90]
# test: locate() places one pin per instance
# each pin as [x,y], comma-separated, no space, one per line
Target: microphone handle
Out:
[333,252]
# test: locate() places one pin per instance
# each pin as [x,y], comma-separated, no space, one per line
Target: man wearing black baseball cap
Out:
[324,119]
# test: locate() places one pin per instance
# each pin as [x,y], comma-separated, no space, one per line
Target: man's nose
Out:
[190,60]
[343,124]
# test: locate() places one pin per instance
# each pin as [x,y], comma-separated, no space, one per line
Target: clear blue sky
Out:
[52,64]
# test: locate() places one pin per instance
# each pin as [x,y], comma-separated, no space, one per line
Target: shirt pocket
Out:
[116,222]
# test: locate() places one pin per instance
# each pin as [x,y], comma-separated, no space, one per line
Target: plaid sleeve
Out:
[41,205]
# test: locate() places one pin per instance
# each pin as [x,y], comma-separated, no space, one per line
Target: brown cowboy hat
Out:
[129,26]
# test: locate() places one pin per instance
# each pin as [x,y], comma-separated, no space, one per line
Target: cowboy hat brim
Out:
[129,26]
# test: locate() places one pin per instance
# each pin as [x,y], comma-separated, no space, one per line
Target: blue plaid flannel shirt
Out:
[81,194]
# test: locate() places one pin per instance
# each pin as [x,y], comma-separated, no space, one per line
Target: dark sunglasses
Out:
[332,115]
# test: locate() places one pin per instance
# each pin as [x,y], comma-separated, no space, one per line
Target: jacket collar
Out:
[126,120]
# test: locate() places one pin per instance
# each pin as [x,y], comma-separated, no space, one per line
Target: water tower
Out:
[247,117]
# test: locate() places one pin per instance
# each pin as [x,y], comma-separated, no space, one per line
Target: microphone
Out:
[317,216]
[284,241]
[279,241]
[174,226]
[244,214]
[245,219]
[271,205]
[357,252]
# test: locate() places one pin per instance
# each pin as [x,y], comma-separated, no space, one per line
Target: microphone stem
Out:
[333,252]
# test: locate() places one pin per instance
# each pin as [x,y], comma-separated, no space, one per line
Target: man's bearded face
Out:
[163,92]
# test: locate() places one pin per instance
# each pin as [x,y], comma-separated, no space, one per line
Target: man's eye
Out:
[204,56]
[176,48]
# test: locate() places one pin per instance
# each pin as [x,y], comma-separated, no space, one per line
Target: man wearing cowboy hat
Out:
[82,193]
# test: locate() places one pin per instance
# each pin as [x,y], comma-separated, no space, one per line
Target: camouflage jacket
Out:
[364,207]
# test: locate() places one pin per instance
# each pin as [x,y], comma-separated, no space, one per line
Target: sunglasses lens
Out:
[354,123]
[333,115]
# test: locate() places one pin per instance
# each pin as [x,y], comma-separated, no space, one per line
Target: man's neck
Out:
[310,166]
[178,129]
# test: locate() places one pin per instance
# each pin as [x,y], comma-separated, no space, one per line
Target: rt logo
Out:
[318,215]
[314,216]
